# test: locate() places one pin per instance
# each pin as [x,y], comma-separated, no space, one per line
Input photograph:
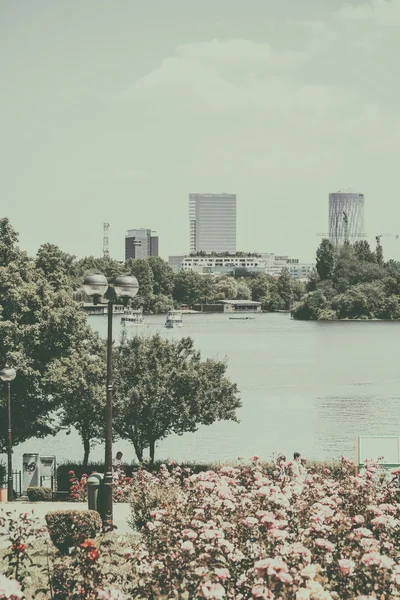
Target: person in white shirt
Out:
[297,469]
[117,462]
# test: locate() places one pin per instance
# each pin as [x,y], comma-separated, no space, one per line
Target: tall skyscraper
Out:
[346,217]
[140,243]
[212,220]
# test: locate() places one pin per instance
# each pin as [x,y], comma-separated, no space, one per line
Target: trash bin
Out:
[95,491]
[3,491]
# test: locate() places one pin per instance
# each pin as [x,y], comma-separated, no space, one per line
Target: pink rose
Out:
[346,566]
[222,574]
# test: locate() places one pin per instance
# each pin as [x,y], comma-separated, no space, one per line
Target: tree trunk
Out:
[138,450]
[86,448]
[152,450]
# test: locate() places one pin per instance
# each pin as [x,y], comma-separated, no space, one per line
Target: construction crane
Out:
[106,252]
[346,227]
[378,237]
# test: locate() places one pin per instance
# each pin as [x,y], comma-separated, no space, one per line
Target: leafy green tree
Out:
[163,276]
[363,251]
[225,288]
[140,268]
[188,287]
[161,304]
[58,267]
[379,253]
[260,285]
[325,259]
[77,383]
[9,250]
[284,288]
[243,291]
[162,386]
[38,326]
[108,266]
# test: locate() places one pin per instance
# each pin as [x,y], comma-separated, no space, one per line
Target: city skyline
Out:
[110,115]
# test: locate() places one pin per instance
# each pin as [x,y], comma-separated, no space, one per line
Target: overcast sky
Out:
[115,111]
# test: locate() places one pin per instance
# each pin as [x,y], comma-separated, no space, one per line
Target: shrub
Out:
[68,528]
[39,494]
[149,493]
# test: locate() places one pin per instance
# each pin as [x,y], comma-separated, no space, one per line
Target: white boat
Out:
[132,317]
[174,319]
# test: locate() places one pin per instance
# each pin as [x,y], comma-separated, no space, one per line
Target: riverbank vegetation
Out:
[242,532]
[351,282]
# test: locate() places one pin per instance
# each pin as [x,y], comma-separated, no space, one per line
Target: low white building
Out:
[270,263]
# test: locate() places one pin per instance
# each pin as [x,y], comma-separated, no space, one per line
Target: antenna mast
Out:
[106,227]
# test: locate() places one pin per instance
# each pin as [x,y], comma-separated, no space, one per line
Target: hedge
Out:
[68,528]
[39,494]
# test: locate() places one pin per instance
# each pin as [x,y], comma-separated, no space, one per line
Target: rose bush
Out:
[78,487]
[244,533]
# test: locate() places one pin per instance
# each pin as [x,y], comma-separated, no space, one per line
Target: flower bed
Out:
[249,532]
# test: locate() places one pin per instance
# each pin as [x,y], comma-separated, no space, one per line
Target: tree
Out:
[379,252]
[225,288]
[187,287]
[260,285]
[161,304]
[363,251]
[243,291]
[162,386]
[77,384]
[8,243]
[163,276]
[284,288]
[325,259]
[58,267]
[140,268]
[38,326]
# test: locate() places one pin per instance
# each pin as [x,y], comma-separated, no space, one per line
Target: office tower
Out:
[346,217]
[212,220]
[140,243]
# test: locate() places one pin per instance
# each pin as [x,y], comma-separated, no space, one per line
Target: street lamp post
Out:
[8,375]
[125,287]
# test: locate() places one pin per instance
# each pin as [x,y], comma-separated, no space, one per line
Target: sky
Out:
[116,111]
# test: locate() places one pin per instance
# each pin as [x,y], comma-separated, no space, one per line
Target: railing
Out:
[17,483]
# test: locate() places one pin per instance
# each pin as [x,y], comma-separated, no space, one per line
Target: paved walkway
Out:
[40,509]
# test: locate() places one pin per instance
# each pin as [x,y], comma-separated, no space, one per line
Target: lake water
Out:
[305,386]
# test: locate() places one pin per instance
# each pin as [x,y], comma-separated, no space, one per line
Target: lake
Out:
[305,386]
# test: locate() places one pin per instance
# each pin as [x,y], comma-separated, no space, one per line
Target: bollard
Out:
[95,492]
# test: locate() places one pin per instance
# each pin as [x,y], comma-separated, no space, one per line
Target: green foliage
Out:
[285,288]
[162,386]
[68,528]
[163,276]
[243,291]
[147,495]
[82,397]
[325,259]
[358,286]
[225,288]
[8,243]
[57,267]
[140,268]
[39,494]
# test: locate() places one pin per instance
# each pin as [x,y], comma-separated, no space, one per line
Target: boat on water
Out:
[241,318]
[174,319]
[132,317]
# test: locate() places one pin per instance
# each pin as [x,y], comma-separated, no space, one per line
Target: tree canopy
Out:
[163,387]
[353,282]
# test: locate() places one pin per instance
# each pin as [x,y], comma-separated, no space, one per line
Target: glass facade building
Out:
[212,222]
[346,217]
